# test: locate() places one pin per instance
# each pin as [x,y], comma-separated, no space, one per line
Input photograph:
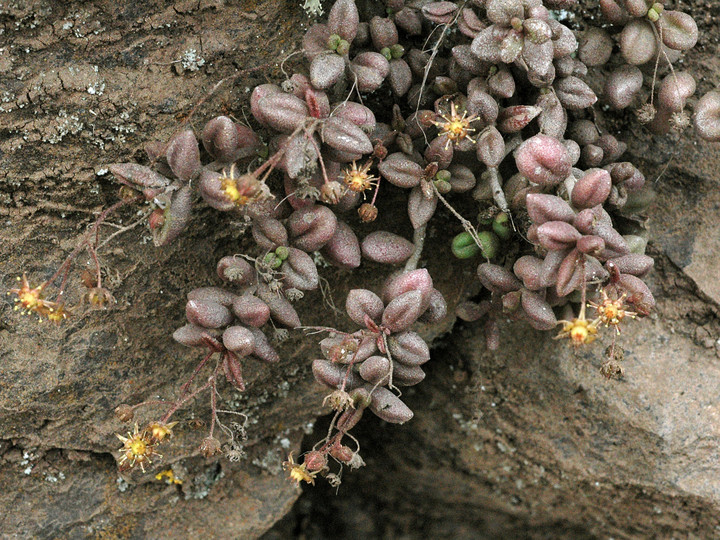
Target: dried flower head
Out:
[98,297]
[138,449]
[159,431]
[243,190]
[124,412]
[611,312]
[359,180]
[339,400]
[210,447]
[646,113]
[679,121]
[332,192]
[611,369]
[368,212]
[298,471]
[454,126]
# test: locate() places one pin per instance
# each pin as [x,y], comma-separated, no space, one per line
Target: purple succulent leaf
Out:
[529,270]
[400,170]
[497,279]
[212,294]
[557,235]
[634,264]
[462,179]
[399,77]
[408,348]
[263,351]
[361,303]
[543,160]
[299,271]
[343,249]
[315,41]
[239,340]
[542,208]
[538,311]
[207,314]
[191,335]
[383,32]
[486,45]
[227,141]
[387,406]
[326,69]
[420,208]
[300,157]
[236,270]
[403,311]
[440,151]
[269,233]
[491,147]
[251,310]
[175,217]
[592,189]
[356,113]
[183,155]
[591,245]
[375,370]
[134,175]
[639,294]
[311,227]
[343,19]
[281,311]
[410,20]
[570,273]
[469,23]
[386,247]
[334,376]
[344,136]
[407,375]
[370,70]
[437,310]
[415,280]
[211,190]
[283,112]
[440,12]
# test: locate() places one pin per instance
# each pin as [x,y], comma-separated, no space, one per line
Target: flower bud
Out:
[124,412]
[210,447]
[367,212]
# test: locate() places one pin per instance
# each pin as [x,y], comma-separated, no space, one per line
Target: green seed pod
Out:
[385,51]
[489,244]
[343,47]
[397,50]
[333,42]
[501,226]
[272,260]
[443,186]
[282,253]
[443,175]
[464,247]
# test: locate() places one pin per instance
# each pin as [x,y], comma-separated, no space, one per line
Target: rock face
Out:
[527,442]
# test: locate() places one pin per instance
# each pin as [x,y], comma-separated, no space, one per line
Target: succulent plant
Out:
[499,117]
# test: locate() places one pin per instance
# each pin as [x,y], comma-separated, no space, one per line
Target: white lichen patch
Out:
[191,60]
